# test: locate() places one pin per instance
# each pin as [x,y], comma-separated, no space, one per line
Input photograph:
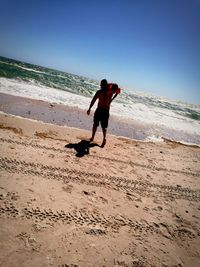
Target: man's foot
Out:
[103,143]
[91,139]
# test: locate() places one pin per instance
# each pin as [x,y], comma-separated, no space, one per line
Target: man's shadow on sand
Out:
[82,148]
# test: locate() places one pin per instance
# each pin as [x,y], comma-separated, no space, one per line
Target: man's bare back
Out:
[104,98]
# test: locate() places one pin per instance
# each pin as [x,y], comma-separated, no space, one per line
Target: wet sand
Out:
[67,116]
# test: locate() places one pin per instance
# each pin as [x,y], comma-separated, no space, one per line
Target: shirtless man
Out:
[105,96]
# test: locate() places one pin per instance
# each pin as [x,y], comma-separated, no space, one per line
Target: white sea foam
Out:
[156,116]
[154,138]
[153,116]
[36,91]
[37,71]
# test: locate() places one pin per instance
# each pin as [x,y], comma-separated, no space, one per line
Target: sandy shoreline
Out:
[72,116]
[66,116]
[64,202]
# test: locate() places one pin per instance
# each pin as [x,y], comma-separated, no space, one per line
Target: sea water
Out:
[160,117]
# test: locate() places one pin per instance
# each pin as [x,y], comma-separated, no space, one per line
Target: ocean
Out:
[160,117]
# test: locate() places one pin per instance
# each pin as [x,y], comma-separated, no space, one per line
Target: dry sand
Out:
[65,202]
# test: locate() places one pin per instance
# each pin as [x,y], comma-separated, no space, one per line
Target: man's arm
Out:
[118,91]
[113,97]
[92,102]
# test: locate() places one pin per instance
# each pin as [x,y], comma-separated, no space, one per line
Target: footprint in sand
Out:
[94,198]
[29,242]
[67,188]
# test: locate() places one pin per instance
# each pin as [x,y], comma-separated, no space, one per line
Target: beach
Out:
[67,202]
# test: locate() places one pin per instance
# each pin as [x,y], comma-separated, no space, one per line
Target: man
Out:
[105,96]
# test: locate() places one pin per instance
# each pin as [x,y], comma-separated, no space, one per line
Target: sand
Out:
[67,202]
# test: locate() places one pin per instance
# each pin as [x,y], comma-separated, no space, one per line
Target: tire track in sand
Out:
[47,148]
[98,223]
[116,183]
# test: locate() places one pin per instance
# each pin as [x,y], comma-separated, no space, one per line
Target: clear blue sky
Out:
[150,45]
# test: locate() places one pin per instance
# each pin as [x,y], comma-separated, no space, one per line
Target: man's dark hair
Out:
[104,83]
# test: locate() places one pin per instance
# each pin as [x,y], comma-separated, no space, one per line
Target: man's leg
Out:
[95,124]
[104,130]
[104,126]
[94,129]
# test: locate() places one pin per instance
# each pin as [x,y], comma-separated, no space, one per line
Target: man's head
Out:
[114,86]
[104,84]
